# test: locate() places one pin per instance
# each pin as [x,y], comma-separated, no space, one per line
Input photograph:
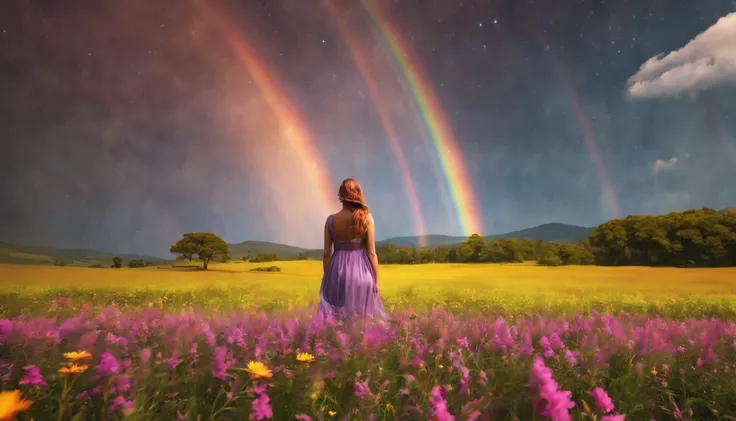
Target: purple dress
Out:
[348,287]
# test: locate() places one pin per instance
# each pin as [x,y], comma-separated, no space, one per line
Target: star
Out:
[495,20]
[480,25]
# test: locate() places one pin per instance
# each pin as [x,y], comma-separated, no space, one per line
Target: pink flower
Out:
[108,365]
[602,401]
[551,403]
[439,405]
[362,390]
[219,363]
[261,407]
[33,377]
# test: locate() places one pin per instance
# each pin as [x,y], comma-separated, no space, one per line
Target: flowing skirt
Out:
[348,288]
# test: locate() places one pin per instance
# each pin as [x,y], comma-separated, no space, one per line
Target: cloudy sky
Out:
[125,124]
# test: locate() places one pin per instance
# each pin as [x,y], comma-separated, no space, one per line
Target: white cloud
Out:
[706,61]
[660,165]
[669,164]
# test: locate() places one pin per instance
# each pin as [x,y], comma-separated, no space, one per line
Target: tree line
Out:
[477,249]
[694,238]
[702,237]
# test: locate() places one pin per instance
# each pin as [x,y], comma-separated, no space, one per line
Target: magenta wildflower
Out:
[601,400]
[122,384]
[193,352]
[219,363]
[173,361]
[362,390]
[551,402]
[33,377]
[439,405]
[108,364]
[303,417]
[125,405]
[546,347]
[145,355]
[261,408]
[6,329]
[463,343]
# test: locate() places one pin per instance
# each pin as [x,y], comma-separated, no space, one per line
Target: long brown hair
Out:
[351,195]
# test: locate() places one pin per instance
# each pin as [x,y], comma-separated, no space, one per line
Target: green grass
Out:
[40,255]
[510,289]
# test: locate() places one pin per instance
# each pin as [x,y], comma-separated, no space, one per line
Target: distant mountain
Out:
[41,255]
[253,248]
[729,209]
[561,233]
[431,240]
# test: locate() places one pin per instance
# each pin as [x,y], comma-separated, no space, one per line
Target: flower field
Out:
[73,352]
[154,365]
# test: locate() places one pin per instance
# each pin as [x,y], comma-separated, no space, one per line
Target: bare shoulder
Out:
[370,219]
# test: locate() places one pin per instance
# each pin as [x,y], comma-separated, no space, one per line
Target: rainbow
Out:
[591,140]
[383,114]
[438,128]
[297,132]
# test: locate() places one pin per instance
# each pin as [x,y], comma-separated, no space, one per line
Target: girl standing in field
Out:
[350,281]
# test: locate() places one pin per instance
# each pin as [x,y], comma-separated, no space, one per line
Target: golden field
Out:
[485,287]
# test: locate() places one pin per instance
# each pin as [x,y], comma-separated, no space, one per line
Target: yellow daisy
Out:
[258,370]
[305,357]
[332,413]
[11,403]
[77,356]
[72,369]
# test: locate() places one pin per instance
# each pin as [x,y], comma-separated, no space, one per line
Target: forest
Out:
[694,238]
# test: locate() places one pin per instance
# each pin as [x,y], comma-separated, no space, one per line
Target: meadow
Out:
[463,342]
[499,289]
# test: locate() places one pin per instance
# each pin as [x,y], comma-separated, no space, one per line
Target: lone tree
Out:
[206,245]
[117,262]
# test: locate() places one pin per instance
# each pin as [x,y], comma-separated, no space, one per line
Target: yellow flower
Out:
[11,403]
[258,370]
[305,357]
[72,369]
[654,371]
[332,413]
[77,356]
[389,407]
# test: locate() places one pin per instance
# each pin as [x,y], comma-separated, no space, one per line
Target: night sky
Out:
[127,123]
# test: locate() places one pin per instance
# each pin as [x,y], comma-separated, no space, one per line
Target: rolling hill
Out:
[562,233]
[431,240]
[728,209]
[40,255]
[253,248]
[553,232]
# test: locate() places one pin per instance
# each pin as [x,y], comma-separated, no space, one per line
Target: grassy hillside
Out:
[728,209]
[40,255]
[431,240]
[253,248]
[557,232]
